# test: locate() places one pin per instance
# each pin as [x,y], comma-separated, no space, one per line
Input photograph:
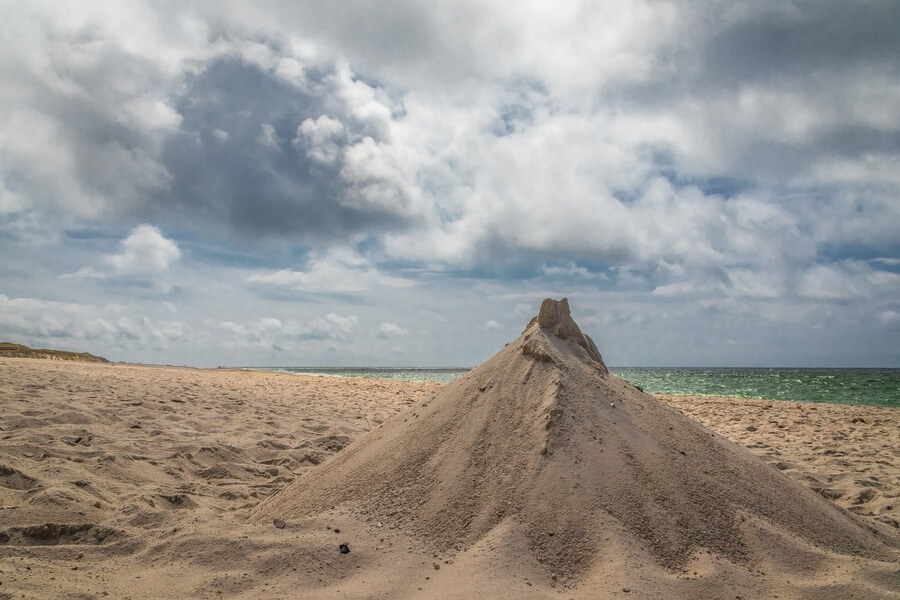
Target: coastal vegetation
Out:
[11,349]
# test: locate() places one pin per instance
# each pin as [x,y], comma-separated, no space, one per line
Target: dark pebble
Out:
[278,523]
[344,548]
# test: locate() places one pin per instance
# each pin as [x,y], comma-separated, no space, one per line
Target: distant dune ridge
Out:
[20,351]
[541,442]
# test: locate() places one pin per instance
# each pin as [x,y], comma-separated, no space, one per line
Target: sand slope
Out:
[540,447]
[848,454]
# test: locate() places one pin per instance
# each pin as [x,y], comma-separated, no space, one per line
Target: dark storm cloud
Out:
[802,39]
[81,105]
[211,146]
[238,181]
[236,163]
[406,38]
[776,88]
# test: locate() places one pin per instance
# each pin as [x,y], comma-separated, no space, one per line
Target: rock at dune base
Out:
[541,441]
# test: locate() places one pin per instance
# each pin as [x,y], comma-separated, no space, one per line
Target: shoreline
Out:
[362,373]
[280,371]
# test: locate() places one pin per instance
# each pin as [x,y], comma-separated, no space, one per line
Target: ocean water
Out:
[842,386]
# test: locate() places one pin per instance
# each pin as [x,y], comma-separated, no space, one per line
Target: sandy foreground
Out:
[128,481]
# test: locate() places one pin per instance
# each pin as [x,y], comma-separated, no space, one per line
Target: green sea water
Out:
[842,386]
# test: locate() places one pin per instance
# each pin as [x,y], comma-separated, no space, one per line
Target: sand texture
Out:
[128,481]
[849,454]
[536,475]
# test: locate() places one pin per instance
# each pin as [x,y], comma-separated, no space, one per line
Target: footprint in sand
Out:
[52,534]
[867,495]
[16,480]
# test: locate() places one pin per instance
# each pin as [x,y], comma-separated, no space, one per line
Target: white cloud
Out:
[870,168]
[885,279]
[386,330]
[267,136]
[144,252]
[151,114]
[333,326]
[889,317]
[270,332]
[673,290]
[746,283]
[85,273]
[378,178]
[258,54]
[145,256]
[338,271]
[291,70]
[523,310]
[71,324]
[492,324]
[828,282]
[572,270]
[11,203]
[319,137]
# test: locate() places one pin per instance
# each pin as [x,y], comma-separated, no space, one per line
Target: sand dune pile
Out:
[539,442]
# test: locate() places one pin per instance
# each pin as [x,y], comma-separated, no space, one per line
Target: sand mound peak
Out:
[555,319]
[540,440]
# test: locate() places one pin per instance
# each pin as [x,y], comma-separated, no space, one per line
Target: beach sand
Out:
[129,481]
[848,453]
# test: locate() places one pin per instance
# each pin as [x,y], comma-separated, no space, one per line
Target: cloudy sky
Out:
[401,183]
